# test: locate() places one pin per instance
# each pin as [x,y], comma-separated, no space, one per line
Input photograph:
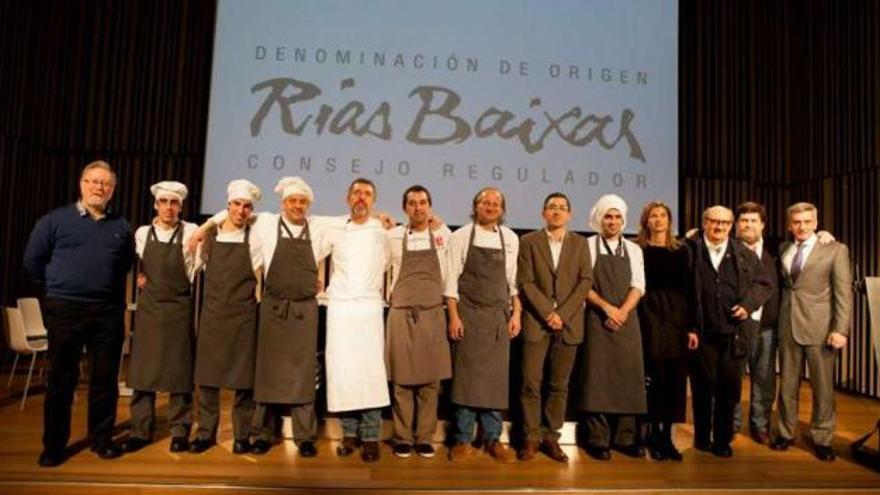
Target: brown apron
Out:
[227,337]
[482,357]
[612,373]
[288,336]
[416,348]
[162,343]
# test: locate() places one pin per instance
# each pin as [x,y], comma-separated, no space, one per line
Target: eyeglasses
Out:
[717,221]
[556,208]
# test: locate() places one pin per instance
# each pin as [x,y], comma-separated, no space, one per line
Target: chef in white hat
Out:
[233,262]
[161,357]
[287,343]
[612,372]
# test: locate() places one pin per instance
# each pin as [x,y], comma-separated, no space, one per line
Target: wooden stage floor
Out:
[754,468]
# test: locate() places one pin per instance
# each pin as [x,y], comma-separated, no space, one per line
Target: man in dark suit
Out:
[814,323]
[729,285]
[750,220]
[554,274]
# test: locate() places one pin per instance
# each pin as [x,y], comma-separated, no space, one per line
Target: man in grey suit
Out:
[554,274]
[814,322]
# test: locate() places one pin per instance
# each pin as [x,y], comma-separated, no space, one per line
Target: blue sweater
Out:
[79,258]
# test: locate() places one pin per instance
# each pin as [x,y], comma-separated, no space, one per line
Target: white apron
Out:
[355,345]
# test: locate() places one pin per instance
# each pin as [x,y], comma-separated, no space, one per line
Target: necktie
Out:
[797,264]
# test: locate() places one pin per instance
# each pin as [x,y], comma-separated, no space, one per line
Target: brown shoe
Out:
[552,449]
[347,447]
[501,452]
[528,452]
[460,452]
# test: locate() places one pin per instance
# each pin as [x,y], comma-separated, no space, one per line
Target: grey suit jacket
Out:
[544,290]
[821,300]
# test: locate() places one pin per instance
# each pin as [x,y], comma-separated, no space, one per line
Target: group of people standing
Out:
[643,315]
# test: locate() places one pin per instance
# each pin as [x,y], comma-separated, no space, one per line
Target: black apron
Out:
[288,336]
[162,343]
[416,347]
[227,339]
[613,373]
[482,357]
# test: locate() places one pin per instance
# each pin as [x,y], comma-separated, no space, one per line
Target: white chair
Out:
[20,344]
[32,316]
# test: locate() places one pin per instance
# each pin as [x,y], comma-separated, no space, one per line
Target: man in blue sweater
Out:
[82,253]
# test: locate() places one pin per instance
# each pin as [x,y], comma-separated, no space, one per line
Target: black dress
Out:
[665,318]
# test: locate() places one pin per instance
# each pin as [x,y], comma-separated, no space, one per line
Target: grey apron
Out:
[288,336]
[227,339]
[416,347]
[613,374]
[482,357]
[162,343]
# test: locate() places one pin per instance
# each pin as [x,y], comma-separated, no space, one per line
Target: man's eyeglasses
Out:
[718,221]
[556,208]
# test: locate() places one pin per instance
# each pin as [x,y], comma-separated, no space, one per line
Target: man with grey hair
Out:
[82,253]
[814,323]
[729,285]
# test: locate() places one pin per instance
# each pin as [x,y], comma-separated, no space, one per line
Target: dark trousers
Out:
[717,385]
[143,414]
[545,423]
[209,413]
[72,325]
[603,429]
[302,418]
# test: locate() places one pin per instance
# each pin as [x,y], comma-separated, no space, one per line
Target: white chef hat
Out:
[294,185]
[243,189]
[605,203]
[169,189]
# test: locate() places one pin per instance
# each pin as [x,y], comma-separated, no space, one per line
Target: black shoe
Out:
[631,450]
[723,451]
[51,459]
[403,450]
[703,445]
[657,453]
[825,453]
[133,444]
[179,444]
[307,449]
[107,449]
[781,443]
[671,453]
[347,447]
[599,453]
[260,447]
[425,450]
[241,447]
[200,445]
[370,452]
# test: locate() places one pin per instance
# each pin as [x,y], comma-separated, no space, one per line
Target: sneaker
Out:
[425,450]
[403,450]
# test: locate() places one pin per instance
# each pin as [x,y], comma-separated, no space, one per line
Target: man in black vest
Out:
[729,285]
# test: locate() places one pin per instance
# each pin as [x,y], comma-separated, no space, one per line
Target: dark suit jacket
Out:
[770,313]
[541,287]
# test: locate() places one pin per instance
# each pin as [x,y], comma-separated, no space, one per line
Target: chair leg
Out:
[27,384]
[12,373]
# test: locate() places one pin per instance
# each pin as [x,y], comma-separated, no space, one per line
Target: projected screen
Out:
[533,97]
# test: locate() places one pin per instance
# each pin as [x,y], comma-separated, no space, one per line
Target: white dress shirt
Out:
[636,259]
[458,248]
[164,235]
[417,241]
[555,248]
[788,255]
[266,228]
[716,252]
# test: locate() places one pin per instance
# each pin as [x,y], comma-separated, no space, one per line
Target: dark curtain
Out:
[779,102]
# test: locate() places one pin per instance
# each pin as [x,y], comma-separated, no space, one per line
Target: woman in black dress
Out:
[667,330]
